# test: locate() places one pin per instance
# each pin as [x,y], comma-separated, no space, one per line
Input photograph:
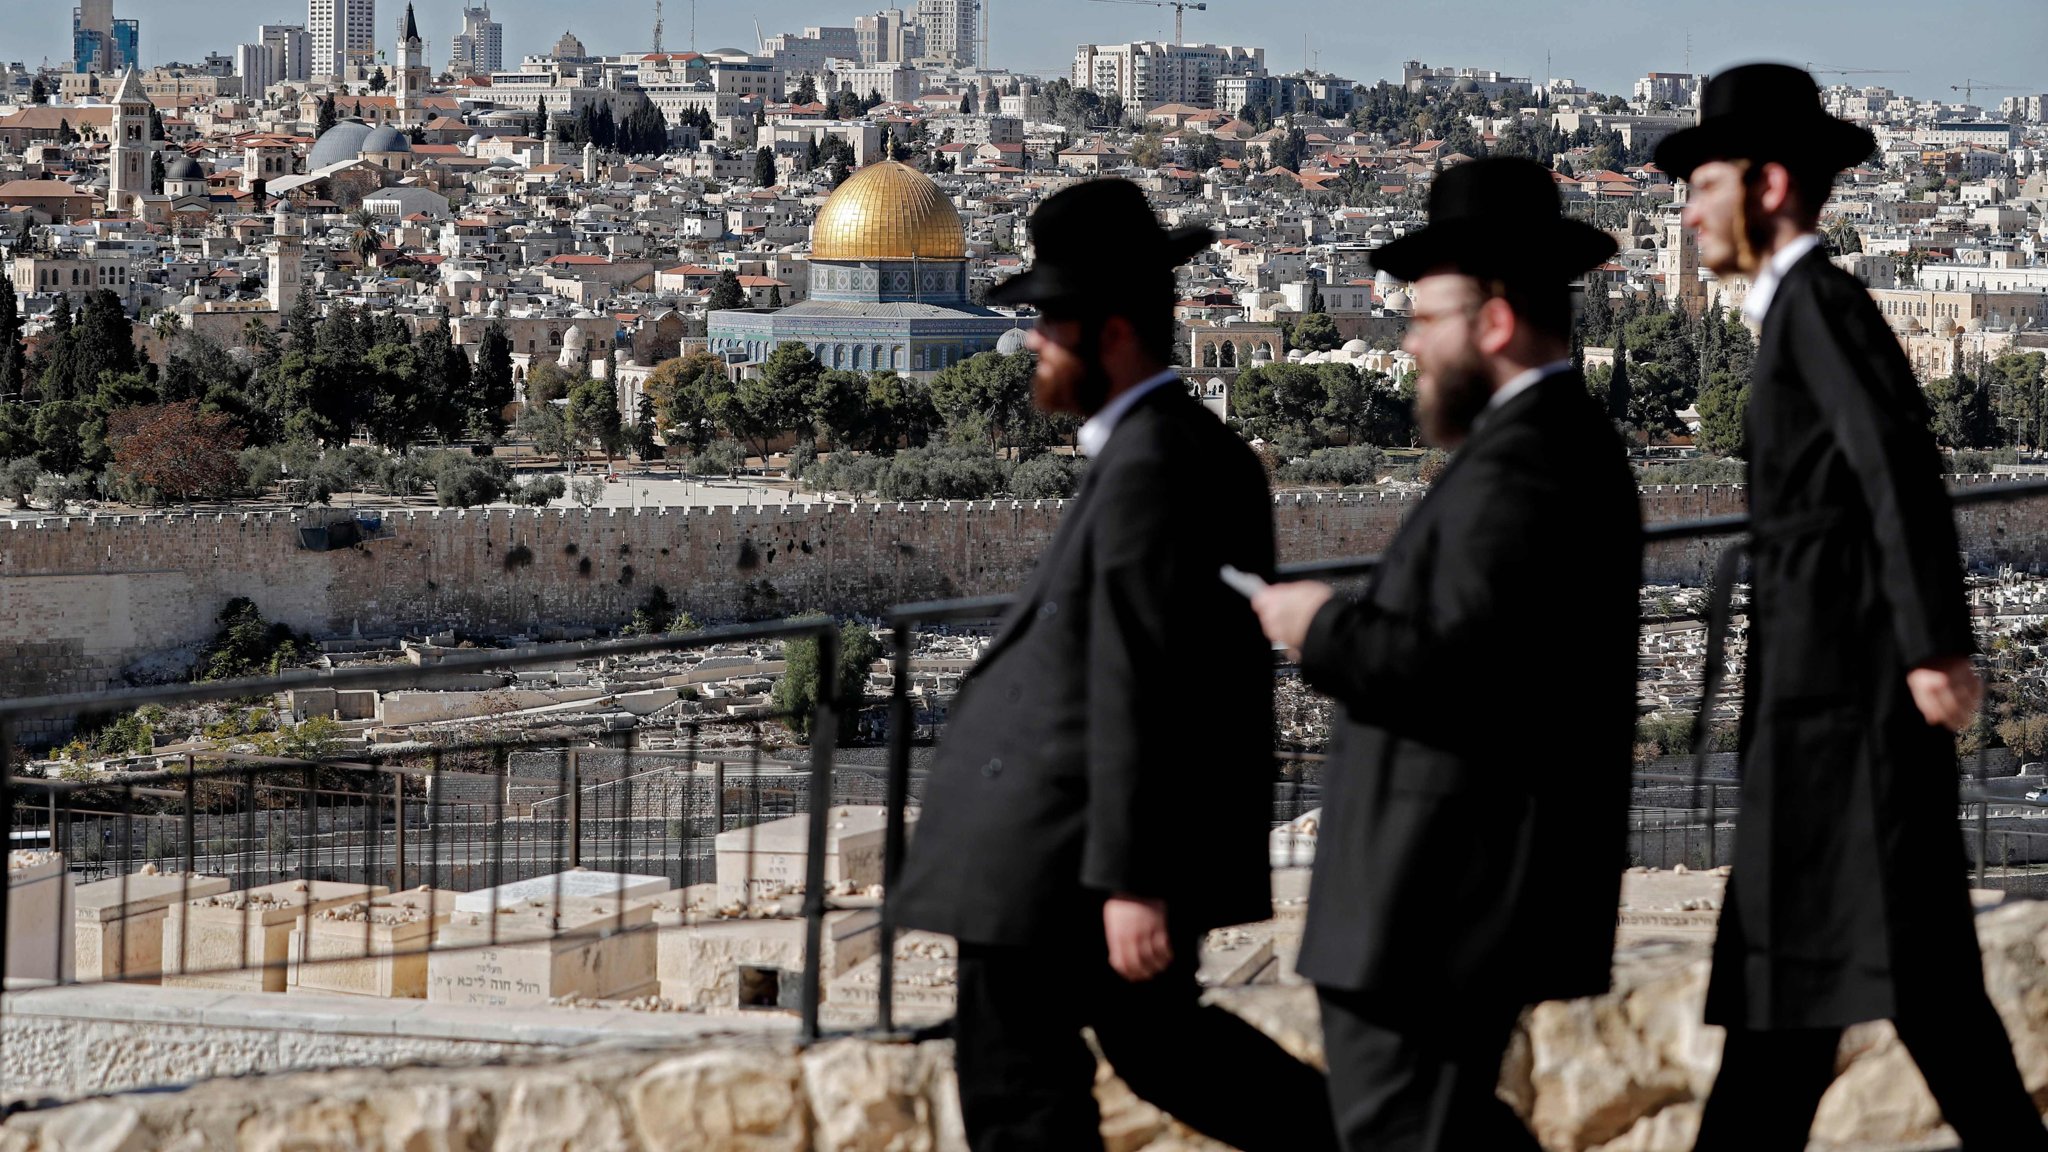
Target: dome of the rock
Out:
[888,211]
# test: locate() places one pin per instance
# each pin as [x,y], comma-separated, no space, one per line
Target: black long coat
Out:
[1849,872]
[1475,798]
[1117,736]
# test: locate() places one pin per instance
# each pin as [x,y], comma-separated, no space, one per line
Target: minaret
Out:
[410,49]
[550,143]
[128,161]
[589,162]
[287,274]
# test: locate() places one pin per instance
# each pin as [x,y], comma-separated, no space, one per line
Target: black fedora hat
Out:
[1093,243]
[1764,112]
[1497,216]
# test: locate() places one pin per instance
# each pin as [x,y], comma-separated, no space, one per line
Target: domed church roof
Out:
[386,139]
[339,144]
[888,211]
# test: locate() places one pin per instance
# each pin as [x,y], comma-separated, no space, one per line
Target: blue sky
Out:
[1602,43]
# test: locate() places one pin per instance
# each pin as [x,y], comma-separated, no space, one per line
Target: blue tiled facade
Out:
[907,316]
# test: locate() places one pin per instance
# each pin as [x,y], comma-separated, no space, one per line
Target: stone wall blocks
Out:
[732,1101]
[342,1123]
[97,1126]
[557,1112]
[868,1097]
[942,1091]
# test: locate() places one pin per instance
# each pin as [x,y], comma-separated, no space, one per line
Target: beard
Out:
[1445,413]
[1747,238]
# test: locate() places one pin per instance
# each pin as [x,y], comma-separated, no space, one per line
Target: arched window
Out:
[1229,355]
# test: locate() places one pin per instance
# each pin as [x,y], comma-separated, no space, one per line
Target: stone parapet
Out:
[1621,1072]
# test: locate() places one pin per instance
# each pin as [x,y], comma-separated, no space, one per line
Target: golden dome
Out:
[888,211]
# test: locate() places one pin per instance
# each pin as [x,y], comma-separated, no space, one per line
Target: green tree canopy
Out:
[727,294]
[685,391]
[1315,332]
[492,390]
[775,400]
[1721,405]
[594,417]
[796,694]
[987,395]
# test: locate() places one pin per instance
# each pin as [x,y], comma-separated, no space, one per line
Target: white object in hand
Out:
[1243,583]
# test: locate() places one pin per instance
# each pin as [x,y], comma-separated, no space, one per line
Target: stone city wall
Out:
[84,598]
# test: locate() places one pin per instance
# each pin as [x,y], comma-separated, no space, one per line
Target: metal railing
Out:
[440,811]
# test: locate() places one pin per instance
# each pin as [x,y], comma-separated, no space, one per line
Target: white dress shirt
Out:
[1525,381]
[1094,434]
[1757,304]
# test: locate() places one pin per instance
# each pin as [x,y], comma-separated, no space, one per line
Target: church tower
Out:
[410,49]
[287,275]
[128,160]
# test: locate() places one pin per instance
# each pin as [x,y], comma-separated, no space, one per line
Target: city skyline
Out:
[1517,39]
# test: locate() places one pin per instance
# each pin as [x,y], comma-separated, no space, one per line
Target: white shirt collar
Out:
[1757,304]
[1525,381]
[1094,434]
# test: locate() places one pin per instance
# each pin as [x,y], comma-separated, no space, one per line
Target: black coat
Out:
[1849,865]
[1117,736]
[1474,803]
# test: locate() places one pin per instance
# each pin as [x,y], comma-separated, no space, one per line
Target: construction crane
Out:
[1179,7]
[1824,70]
[1969,89]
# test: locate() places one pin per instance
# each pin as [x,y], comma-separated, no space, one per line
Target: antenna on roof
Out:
[657,27]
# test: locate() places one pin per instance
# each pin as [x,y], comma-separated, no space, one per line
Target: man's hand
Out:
[1286,610]
[1136,927]
[1947,691]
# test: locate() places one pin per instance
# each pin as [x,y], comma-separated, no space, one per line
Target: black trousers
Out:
[1770,1083]
[1419,1078]
[1027,1075]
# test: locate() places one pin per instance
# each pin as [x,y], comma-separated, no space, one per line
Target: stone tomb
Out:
[119,930]
[241,941]
[1678,904]
[590,947]
[580,883]
[767,860]
[718,964]
[369,948]
[927,978]
[39,895]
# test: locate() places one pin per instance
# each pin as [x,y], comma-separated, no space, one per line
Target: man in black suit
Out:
[1103,794]
[1849,897]
[1472,843]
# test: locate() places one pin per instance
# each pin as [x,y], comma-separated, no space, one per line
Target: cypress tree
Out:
[11,352]
[1617,384]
